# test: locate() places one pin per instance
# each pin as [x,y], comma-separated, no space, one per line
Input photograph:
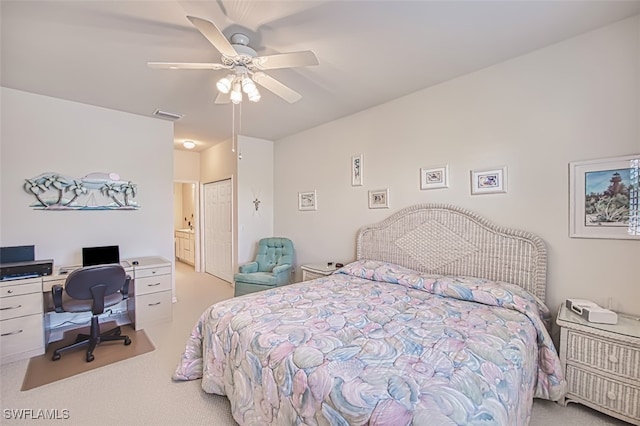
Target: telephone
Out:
[591,311]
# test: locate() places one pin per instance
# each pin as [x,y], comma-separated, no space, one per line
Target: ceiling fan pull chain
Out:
[233,127]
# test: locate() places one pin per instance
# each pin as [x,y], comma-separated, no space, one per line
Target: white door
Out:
[217,233]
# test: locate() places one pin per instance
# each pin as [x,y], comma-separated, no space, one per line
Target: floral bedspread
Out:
[377,344]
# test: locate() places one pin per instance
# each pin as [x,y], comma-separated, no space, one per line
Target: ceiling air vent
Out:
[167,115]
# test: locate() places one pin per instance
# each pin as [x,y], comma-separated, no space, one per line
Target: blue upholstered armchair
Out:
[272,267]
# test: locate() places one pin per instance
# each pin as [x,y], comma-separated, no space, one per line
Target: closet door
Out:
[217,233]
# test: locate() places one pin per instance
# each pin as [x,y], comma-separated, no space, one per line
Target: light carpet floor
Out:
[139,391]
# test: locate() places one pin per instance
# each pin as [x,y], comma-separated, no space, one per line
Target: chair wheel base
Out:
[56,357]
[90,357]
[127,341]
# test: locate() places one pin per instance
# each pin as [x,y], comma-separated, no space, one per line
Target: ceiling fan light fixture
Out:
[244,64]
[254,96]
[248,86]
[225,83]
[236,94]
[236,97]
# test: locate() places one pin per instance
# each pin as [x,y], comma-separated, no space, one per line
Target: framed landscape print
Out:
[437,177]
[307,200]
[489,181]
[603,201]
[379,199]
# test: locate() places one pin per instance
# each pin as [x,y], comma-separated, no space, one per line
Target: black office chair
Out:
[92,288]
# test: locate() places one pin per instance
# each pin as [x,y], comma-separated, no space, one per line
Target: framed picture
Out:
[489,181]
[356,170]
[603,198]
[307,200]
[379,199]
[437,177]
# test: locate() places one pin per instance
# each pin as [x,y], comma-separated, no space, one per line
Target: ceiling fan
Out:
[244,66]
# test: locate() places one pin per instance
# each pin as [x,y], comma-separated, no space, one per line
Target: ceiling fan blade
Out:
[286,60]
[223,98]
[276,87]
[186,66]
[214,35]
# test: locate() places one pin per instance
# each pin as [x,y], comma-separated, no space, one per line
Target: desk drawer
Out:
[603,354]
[153,284]
[153,307]
[47,284]
[21,335]
[20,288]
[151,272]
[19,306]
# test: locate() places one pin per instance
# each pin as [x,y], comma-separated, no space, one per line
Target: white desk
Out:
[21,322]
[25,317]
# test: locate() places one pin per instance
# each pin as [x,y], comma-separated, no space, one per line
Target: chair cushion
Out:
[70,304]
[263,278]
[245,288]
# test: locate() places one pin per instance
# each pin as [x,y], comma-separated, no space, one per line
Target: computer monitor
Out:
[100,255]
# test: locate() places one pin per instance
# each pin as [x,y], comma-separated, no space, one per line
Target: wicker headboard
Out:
[448,240]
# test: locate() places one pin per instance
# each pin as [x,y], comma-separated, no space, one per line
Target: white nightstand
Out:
[312,271]
[601,364]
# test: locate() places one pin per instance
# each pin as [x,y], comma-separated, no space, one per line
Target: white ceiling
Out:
[370,52]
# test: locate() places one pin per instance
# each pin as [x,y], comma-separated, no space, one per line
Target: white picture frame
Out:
[434,177]
[307,200]
[379,199]
[593,211]
[489,181]
[356,170]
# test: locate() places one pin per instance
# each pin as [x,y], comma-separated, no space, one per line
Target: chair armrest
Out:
[56,293]
[125,288]
[249,268]
[281,269]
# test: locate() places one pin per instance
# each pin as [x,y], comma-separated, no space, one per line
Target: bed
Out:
[439,320]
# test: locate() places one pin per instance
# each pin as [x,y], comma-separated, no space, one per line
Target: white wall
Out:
[186,166]
[44,134]
[576,100]
[255,181]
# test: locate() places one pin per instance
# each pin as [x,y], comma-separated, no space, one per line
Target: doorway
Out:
[186,223]
[217,227]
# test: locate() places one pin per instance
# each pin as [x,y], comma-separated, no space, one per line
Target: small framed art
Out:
[356,170]
[603,198]
[489,181]
[307,200]
[379,199]
[437,177]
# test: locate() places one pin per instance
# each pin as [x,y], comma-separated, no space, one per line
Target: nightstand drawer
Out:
[19,306]
[618,397]
[310,275]
[603,354]
[152,284]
